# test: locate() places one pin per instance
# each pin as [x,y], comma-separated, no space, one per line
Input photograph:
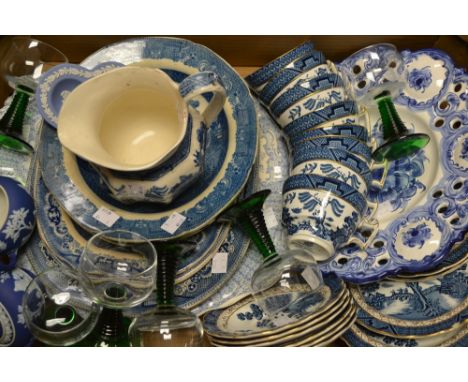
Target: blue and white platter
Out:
[423,207]
[361,337]
[230,152]
[414,308]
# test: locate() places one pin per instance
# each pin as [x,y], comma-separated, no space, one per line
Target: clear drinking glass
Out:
[294,273]
[118,268]
[24,62]
[376,74]
[58,310]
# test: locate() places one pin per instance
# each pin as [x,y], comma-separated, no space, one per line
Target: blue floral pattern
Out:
[417,236]
[420,79]
[402,183]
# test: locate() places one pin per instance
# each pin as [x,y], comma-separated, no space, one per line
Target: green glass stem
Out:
[111,330]
[398,141]
[393,126]
[11,124]
[165,278]
[248,214]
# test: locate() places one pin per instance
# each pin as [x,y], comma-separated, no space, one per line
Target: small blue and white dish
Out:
[322,213]
[304,89]
[289,73]
[262,75]
[55,85]
[359,336]
[17,220]
[335,143]
[245,319]
[329,113]
[355,131]
[334,163]
[414,308]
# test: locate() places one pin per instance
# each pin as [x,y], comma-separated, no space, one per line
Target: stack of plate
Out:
[429,312]
[316,320]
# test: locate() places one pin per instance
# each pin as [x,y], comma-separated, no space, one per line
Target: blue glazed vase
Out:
[13,329]
[17,220]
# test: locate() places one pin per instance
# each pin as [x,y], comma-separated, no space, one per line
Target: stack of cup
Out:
[325,202]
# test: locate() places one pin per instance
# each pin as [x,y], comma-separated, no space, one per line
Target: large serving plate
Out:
[230,152]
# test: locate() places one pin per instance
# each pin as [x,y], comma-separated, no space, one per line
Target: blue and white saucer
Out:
[416,308]
[361,337]
[230,152]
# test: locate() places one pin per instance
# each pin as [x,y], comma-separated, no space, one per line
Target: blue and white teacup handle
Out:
[201,83]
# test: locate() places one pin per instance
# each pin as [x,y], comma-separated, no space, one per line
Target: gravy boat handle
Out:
[201,83]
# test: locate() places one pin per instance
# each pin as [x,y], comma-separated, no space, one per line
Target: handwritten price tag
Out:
[106,216]
[219,263]
[172,224]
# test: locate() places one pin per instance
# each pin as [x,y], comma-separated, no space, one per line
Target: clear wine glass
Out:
[294,273]
[167,325]
[376,74]
[24,62]
[57,309]
[118,268]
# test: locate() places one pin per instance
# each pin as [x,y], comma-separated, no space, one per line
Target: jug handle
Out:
[201,83]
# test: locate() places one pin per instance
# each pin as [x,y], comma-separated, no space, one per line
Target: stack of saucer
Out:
[315,320]
[325,198]
[430,312]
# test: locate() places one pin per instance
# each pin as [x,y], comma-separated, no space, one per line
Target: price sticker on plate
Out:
[219,263]
[172,224]
[106,216]
[278,172]
[311,278]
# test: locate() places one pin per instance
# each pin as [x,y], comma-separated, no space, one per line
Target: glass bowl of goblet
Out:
[118,268]
[167,325]
[24,62]
[57,309]
[376,75]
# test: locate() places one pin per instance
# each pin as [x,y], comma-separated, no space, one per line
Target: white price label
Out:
[106,216]
[278,172]
[270,218]
[219,263]
[173,223]
[311,278]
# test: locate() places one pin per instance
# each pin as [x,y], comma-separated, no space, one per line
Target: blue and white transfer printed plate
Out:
[361,337]
[230,152]
[408,309]
[423,206]
[246,319]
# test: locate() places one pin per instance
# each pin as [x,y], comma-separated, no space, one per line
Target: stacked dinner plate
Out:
[315,320]
[431,311]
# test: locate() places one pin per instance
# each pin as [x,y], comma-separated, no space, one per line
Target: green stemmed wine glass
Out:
[24,62]
[288,272]
[376,74]
[167,325]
